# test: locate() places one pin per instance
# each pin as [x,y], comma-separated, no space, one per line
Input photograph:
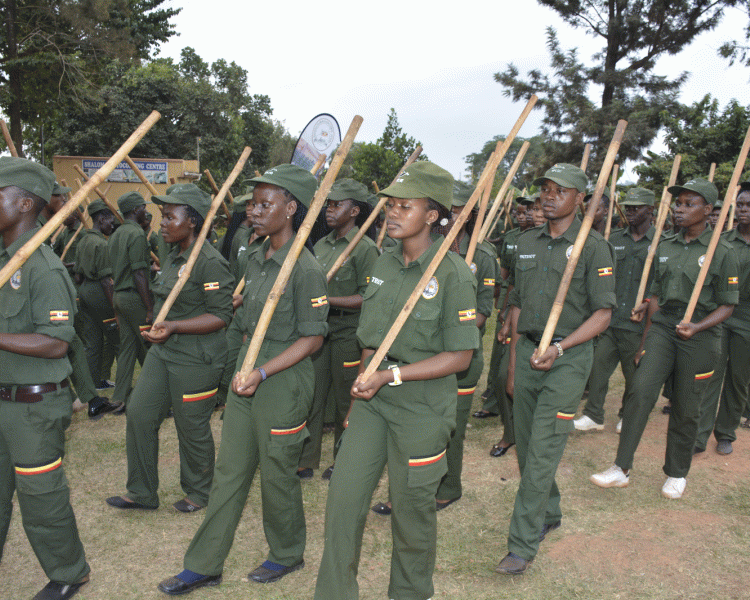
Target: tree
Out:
[529,169]
[53,50]
[634,34]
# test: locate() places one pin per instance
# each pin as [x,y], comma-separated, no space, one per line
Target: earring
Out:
[287,217]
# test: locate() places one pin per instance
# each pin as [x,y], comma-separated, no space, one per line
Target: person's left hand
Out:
[247,387]
[686,330]
[236,301]
[367,389]
[545,361]
[159,333]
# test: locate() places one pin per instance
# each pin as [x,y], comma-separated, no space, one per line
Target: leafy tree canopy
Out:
[529,169]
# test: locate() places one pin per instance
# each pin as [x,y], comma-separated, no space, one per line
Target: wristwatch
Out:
[396,376]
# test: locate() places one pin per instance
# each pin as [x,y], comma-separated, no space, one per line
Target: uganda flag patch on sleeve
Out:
[58,315]
[319,301]
[734,281]
[489,282]
[467,315]
[421,461]
[210,286]
[605,271]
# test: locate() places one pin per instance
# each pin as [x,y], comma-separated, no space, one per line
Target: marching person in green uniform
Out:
[732,367]
[403,415]
[546,389]
[264,421]
[600,216]
[185,361]
[57,200]
[337,362]
[623,336]
[670,346]
[37,306]
[130,261]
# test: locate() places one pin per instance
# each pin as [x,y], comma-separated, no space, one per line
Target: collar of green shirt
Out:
[426,257]
[331,237]
[176,253]
[570,233]
[22,239]
[650,232]
[733,235]
[259,253]
[704,238]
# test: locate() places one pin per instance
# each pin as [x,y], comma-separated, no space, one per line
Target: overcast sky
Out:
[434,66]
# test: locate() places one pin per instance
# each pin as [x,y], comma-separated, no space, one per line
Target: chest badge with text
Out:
[15,280]
[431,290]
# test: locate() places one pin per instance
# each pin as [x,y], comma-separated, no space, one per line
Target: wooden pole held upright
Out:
[712,172]
[8,139]
[49,227]
[215,188]
[612,192]
[414,156]
[585,158]
[583,233]
[149,186]
[101,195]
[318,164]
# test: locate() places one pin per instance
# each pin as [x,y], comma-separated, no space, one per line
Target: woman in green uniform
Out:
[264,421]
[184,364]
[403,415]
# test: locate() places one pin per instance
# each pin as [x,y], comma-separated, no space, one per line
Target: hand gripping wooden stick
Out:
[484,180]
[8,139]
[299,241]
[215,188]
[661,217]
[612,192]
[101,195]
[729,199]
[583,233]
[38,238]
[198,246]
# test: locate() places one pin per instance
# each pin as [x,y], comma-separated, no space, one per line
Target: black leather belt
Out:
[340,312]
[29,393]
[535,339]
[389,358]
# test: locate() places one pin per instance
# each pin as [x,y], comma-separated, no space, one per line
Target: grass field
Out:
[628,544]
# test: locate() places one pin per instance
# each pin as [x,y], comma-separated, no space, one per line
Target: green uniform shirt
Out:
[207,290]
[62,241]
[153,242]
[631,257]
[303,307]
[241,248]
[38,298]
[540,264]
[93,260]
[484,268]
[740,319]
[443,318]
[677,264]
[128,252]
[508,252]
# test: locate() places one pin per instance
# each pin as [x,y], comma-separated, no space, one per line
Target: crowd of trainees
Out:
[411,414]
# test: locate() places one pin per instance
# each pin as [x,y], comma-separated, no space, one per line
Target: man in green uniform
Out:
[623,337]
[671,346]
[547,388]
[599,223]
[35,400]
[129,258]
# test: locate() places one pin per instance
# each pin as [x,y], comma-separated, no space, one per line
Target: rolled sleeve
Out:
[138,252]
[53,309]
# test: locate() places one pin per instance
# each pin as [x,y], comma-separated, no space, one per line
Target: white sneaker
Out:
[586,423]
[612,477]
[674,487]
[618,429]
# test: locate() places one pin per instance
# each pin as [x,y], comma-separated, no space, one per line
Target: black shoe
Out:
[305,473]
[99,406]
[170,414]
[186,507]
[120,409]
[104,385]
[441,505]
[697,450]
[265,575]
[381,508]
[60,591]
[513,564]
[724,447]
[483,414]
[120,502]
[547,527]
[666,409]
[175,587]
[497,450]
[327,473]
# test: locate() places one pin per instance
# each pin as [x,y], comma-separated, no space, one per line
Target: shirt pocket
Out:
[12,309]
[525,273]
[426,319]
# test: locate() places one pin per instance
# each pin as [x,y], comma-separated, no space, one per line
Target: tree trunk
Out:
[14,78]
[610,60]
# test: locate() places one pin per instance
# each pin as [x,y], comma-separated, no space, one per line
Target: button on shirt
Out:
[631,257]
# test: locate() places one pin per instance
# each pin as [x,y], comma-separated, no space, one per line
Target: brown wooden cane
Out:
[584,164]
[149,186]
[661,217]
[729,199]
[8,139]
[23,253]
[215,188]
[101,195]
[583,233]
[712,172]
[299,241]
[474,239]
[444,247]
[409,161]
[318,164]
[612,192]
[198,246]
[70,241]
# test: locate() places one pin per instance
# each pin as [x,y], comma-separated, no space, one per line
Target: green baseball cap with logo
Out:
[299,182]
[700,186]
[423,179]
[59,190]
[130,201]
[348,189]
[240,203]
[639,197]
[461,194]
[96,206]
[568,176]
[188,194]
[27,175]
[605,197]
[523,200]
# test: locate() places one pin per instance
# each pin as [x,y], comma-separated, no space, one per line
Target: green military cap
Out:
[348,189]
[568,176]
[588,197]
[423,179]
[188,194]
[700,186]
[130,201]
[372,199]
[59,190]
[525,200]
[240,203]
[718,204]
[97,206]
[461,193]
[639,197]
[299,182]
[27,175]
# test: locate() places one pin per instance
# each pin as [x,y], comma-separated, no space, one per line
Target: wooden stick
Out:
[661,217]
[38,238]
[240,286]
[53,239]
[729,199]
[414,156]
[712,172]
[586,155]
[484,180]
[151,189]
[8,139]
[101,195]
[612,192]
[257,173]
[299,241]
[474,239]
[504,189]
[215,188]
[70,241]
[583,233]
[318,164]
[198,246]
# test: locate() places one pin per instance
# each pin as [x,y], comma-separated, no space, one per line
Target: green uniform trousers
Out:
[692,363]
[734,396]
[505,402]
[336,366]
[492,400]
[131,315]
[710,400]
[613,346]
[99,329]
[234,340]
[544,404]
[263,431]
[32,446]
[405,428]
[189,391]
[81,376]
